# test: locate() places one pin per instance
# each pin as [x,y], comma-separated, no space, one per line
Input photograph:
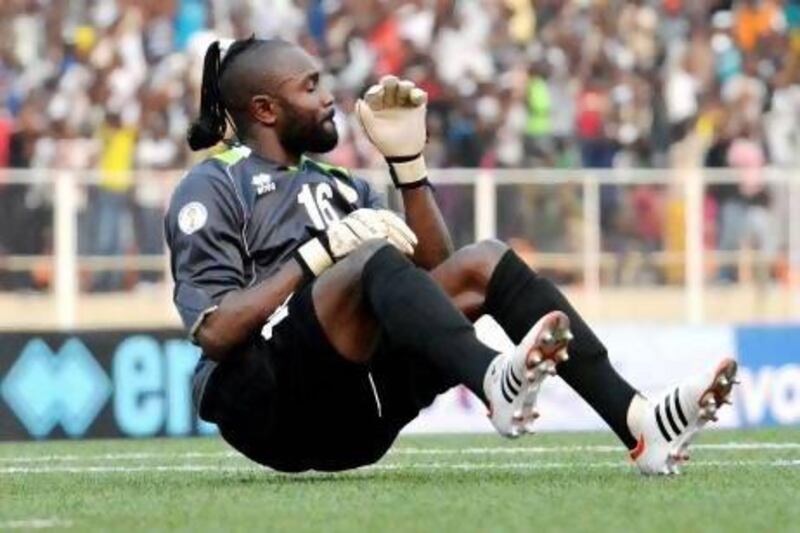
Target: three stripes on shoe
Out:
[510,384]
[667,404]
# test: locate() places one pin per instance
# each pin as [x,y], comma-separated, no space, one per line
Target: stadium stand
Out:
[109,86]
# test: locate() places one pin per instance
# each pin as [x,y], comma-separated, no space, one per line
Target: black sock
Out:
[517,298]
[416,315]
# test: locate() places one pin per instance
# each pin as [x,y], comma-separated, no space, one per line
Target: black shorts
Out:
[291,402]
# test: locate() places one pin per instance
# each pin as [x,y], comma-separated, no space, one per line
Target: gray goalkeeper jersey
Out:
[235,218]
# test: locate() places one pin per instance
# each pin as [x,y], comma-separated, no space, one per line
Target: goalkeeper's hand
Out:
[392,114]
[347,234]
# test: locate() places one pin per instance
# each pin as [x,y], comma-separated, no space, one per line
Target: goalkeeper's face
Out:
[304,118]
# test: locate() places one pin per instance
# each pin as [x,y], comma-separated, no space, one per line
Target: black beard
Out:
[300,134]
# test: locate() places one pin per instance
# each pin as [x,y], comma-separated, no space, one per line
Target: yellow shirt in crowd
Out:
[116,160]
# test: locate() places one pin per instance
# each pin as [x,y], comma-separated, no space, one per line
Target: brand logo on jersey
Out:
[192,217]
[263,184]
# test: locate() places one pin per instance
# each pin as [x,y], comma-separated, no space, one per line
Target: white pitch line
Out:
[727,446]
[118,457]
[35,523]
[558,465]
[110,469]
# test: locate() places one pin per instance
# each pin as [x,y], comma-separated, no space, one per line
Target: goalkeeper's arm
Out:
[243,312]
[392,114]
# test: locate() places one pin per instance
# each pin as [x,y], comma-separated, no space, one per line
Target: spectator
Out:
[539,129]
[592,113]
[111,202]
[682,93]
[155,152]
[753,20]
[782,122]
[747,221]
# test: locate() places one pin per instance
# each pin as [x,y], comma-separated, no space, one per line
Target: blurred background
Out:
[646,147]
[643,154]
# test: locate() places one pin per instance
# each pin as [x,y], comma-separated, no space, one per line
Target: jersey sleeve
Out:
[203,227]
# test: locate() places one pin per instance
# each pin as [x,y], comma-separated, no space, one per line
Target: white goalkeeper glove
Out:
[344,236]
[392,114]
[397,231]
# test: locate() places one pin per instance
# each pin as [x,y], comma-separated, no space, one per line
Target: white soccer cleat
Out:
[513,380]
[668,426]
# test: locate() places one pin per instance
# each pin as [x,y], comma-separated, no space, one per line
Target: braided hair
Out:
[210,126]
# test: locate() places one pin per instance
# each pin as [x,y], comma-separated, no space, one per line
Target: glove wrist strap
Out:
[424,182]
[314,258]
[407,171]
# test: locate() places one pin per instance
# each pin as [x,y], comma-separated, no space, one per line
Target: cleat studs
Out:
[678,457]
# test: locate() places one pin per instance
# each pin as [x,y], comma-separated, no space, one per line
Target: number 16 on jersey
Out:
[317,201]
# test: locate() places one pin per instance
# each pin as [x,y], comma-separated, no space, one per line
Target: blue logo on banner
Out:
[152,387]
[770,374]
[45,389]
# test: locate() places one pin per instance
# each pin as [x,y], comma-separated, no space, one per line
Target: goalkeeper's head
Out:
[267,90]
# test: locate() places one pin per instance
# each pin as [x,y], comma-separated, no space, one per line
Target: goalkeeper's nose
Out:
[326,98]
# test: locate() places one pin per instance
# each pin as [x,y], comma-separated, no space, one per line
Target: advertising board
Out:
[137,384]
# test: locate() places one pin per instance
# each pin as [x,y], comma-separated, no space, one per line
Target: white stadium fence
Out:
[674,245]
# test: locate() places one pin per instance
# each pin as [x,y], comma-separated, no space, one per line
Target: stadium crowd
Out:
[111,85]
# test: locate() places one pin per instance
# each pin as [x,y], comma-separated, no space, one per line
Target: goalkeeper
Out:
[327,322]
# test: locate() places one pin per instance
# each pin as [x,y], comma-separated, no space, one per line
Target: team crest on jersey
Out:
[263,184]
[192,217]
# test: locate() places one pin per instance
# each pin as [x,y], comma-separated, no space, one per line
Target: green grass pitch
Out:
[736,481]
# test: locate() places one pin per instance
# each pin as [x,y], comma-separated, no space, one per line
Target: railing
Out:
[653,235]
